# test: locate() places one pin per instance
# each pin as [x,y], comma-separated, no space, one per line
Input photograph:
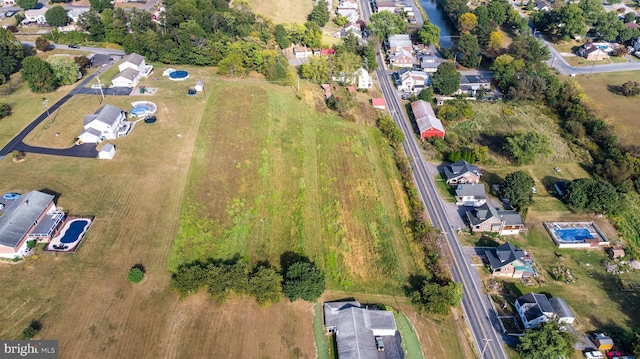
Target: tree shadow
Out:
[139,266]
[289,258]
[415,282]
[615,89]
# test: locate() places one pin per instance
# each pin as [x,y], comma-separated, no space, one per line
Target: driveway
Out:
[392,347]
[455,214]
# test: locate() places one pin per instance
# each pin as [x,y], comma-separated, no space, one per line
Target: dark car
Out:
[74,46]
[9,13]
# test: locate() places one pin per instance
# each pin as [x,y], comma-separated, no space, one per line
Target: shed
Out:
[107,152]
[199,86]
[603,342]
[615,253]
[378,103]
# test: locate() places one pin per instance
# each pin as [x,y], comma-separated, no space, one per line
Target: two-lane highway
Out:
[479,315]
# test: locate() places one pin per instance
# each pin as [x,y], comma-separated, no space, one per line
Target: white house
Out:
[470,195]
[349,9]
[364,79]
[430,63]
[107,152]
[35,15]
[407,80]
[396,43]
[32,216]
[75,12]
[302,52]
[352,27]
[126,78]
[107,123]
[386,6]
[535,309]
[132,68]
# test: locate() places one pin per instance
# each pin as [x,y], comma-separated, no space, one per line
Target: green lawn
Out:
[410,342]
[447,192]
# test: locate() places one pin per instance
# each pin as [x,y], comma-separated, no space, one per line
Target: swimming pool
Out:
[143,108]
[573,234]
[139,111]
[179,75]
[74,230]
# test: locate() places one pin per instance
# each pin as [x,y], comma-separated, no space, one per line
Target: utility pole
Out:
[101,92]
[45,103]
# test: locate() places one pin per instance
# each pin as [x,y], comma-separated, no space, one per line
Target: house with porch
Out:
[401,58]
[360,77]
[35,16]
[132,69]
[594,51]
[461,172]
[471,195]
[428,124]
[485,218]
[107,123]
[410,81]
[507,260]
[32,216]
[535,309]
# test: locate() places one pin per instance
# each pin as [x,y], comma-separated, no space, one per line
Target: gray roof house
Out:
[470,195]
[126,78]
[461,172]
[106,124]
[534,309]
[397,42]
[31,216]
[562,310]
[356,327]
[509,260]
[485,218]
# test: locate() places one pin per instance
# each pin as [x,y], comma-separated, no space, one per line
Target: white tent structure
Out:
[107,152]
[199,86]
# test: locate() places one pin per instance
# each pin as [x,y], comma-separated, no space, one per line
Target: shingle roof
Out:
[510,218]
[107,114]
[481,214]
[402,40]
[128,73]
[20,214]
[425,117]
[460,168]
[503,255]
[561,308]
[471,189]
[134,59]
[534,305]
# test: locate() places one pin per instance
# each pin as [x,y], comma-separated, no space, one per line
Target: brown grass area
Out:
[619,111]
[286,11]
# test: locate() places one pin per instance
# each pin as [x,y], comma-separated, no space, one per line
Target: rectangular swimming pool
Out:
[573,234]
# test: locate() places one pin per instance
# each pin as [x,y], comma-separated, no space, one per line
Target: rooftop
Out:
[20,215]
[425,117]
[471,189]
[459,168]
[134,59]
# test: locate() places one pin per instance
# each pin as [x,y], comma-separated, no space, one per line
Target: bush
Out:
[136,275]
[28,333]
[631,88]
[5,109]
[31,244]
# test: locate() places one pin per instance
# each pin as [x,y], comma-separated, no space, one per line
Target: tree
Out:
[569,21]
[528,49]
[391,132]
[56,16]
[369,56]
[495,42]
[469,50]
[426,94]
[627,35]
[591,9]
[5,109]
[517,188]
[135,275]
[100,5]
[38,74]
[91,22]
[303,280]
[11,53]
[282,39]
[265,284]
[316,69]
[429,34]
[524,147]
[438,298]
[64,69]
[312,35]
[545,342]
[232,64]
[467,22]
[42,44]
[341,20]
[446,80]
[346,63]
[386,23]
[631,88]
[498,11]
[320,13]
[608,26]
[27,4]
[598,196]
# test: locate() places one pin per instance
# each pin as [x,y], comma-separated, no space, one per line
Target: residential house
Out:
[602,342]
[410,81]
[157,15]
[360,77]
[542,5]
[430,63]
[396,43]
[485,218]
[470,195]
[408,10]
[302,52]
[470,84]
[386,6]
[32,216]
[75,12]
[636,43]
[355,328]
[379,102]
[461,172]
[428,124]
[507,260]
[107,123]
[352,27]
[401,58]
[595,51]
[349,9]
[534,309]
[126,78]
[132,68]
[563,313]
[35,16]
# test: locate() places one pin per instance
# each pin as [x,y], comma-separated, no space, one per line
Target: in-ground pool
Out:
[573,234]
[143,108]
[179,75]
[139,110]
[74,230]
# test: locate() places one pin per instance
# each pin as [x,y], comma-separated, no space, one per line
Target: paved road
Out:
[97,50]
[479,316]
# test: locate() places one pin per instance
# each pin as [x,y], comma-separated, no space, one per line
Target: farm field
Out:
[287,11]
[617,110]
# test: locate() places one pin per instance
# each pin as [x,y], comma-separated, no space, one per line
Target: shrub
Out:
[5,109]
[135,275]
[31,244]
[631,88]
[28,333]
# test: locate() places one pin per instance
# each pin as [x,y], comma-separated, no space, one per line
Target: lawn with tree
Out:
[548,341]
[56,16]
[38,74]
[11,54]
[517,188]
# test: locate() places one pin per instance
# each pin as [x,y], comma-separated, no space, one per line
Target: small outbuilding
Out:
[615,253]
[603,342]
[107,152]
[379,103]
[199,86]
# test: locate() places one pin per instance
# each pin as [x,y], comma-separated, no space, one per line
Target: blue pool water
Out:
[139,110]
[573,234]
[179,74]
[74,231]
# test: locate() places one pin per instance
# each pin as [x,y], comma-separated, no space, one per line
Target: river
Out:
[437,17]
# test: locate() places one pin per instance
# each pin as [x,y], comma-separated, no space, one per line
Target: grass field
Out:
[617,110]
[286,11]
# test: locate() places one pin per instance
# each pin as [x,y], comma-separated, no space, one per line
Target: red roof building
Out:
[378,103]
[428,124]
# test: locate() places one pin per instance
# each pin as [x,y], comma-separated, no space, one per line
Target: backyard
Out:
[288,11]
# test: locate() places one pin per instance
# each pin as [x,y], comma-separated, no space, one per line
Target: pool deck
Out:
[598,240]
[72,247]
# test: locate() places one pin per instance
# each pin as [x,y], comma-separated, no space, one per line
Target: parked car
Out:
[379,344]
[96,86]
[9,13]
[10,196]
[74,46]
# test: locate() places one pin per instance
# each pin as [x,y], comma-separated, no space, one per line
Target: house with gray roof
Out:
[428,124]
[399,42]
[534,309]
[32,216]
[108,123]
[470,195]
[356,326]
[564,314]
[461,172]
[508,260]
[132,68]
[485,218]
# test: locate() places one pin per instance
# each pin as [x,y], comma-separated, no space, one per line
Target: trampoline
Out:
[149,120]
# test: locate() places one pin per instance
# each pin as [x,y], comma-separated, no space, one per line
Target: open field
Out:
[283,11]
[491,121]
[85,300]
[290,179]
[618,110]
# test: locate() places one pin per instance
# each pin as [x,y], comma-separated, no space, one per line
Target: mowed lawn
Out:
[271,175]
[85,301]
[283,11]
[618,110]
